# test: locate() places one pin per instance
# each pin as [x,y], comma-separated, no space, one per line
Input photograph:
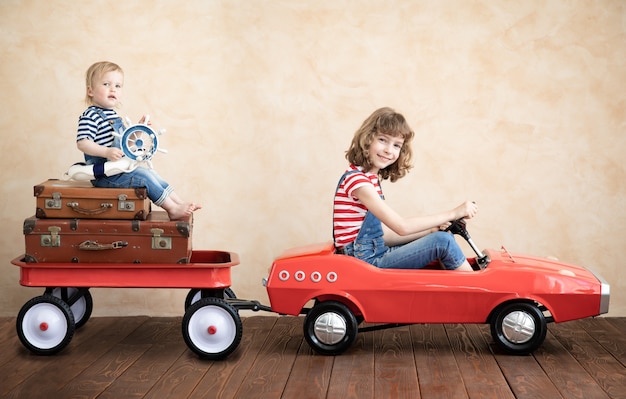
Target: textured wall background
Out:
[519,106]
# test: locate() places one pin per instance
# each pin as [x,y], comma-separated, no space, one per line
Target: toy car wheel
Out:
[195,294]
[81,307]
[45,325]
[330,328]
[212,328]
[519,328]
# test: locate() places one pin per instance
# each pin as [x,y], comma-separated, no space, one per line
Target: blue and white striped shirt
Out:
[96,124]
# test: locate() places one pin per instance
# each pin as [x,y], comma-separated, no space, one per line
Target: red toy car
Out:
[516,294]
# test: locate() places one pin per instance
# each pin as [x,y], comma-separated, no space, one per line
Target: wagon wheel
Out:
[139,142]
[195,294]
[519,328]
[212,328]
[330,328]
[45,325]
[79,301]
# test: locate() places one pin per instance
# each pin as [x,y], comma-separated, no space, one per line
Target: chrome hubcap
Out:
[330,328]
[518,327]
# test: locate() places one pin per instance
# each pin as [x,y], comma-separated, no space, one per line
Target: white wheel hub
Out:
[44,326]
[212,329]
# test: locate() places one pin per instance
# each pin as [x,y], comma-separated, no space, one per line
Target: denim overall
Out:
[369,245]
[118,127]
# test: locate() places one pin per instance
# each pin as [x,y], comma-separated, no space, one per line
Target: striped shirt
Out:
[348,212]
[93,127]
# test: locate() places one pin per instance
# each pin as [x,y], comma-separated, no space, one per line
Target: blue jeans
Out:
[413,255]
[370,247]
[158,189]
[419,253]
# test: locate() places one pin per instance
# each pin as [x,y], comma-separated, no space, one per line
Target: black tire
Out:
[194,295]
[45,325]
[212,328]
[519,328]
[330,328]
[81,307]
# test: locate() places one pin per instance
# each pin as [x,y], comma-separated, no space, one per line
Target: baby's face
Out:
[106,90]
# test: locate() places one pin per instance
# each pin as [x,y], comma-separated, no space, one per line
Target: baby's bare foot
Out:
[181,211]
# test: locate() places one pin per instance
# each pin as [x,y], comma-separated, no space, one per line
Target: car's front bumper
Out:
[605,292]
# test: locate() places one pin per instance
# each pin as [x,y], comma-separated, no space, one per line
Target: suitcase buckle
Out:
[52,240]
[123,205]
[55,202]
[159,242]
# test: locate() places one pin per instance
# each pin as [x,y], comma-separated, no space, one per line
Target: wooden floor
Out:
[142,357]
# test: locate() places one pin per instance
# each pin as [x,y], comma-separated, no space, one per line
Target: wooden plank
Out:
[395,375]
[568,376]
[481,374]
[226,376]
[137,357]
[524,375]
[181,378]
[609,332]
[353,370]
[21,366]
[164,337]
[607,371]
[437,370]
[8,340]
[89,344]
[103,372]
[269,372]
[310,375]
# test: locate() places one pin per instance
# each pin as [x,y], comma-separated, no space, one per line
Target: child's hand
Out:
[145,120]
[468,210]
[114,154]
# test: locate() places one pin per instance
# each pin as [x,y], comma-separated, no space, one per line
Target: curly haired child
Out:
[365,227]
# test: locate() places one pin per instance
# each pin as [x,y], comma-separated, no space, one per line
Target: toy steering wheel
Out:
[139,142]
[458,226]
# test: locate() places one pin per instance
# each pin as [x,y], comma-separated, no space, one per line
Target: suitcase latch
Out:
[124,205]
[52,240]
[159,242]
[54,202]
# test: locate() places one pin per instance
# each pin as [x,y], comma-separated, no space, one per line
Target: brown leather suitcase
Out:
[154,240]
[67,199]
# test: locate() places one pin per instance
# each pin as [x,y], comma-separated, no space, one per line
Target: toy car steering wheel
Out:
[458,226]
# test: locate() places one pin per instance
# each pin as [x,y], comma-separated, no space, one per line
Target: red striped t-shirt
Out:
[348,212]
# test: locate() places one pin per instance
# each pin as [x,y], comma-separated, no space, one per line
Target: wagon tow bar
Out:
[245,304]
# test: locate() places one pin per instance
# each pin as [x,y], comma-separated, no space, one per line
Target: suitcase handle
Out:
[105,206]
[94,246]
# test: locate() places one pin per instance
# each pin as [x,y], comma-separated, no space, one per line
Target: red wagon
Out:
[211,325]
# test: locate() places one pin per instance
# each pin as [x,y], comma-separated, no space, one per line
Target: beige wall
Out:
[518,105]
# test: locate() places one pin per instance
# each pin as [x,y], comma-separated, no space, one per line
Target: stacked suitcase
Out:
[76,222]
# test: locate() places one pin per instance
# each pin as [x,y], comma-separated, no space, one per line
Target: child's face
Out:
[384,151]
[106,90]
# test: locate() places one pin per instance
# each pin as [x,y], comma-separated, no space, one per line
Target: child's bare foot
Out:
[180,211]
